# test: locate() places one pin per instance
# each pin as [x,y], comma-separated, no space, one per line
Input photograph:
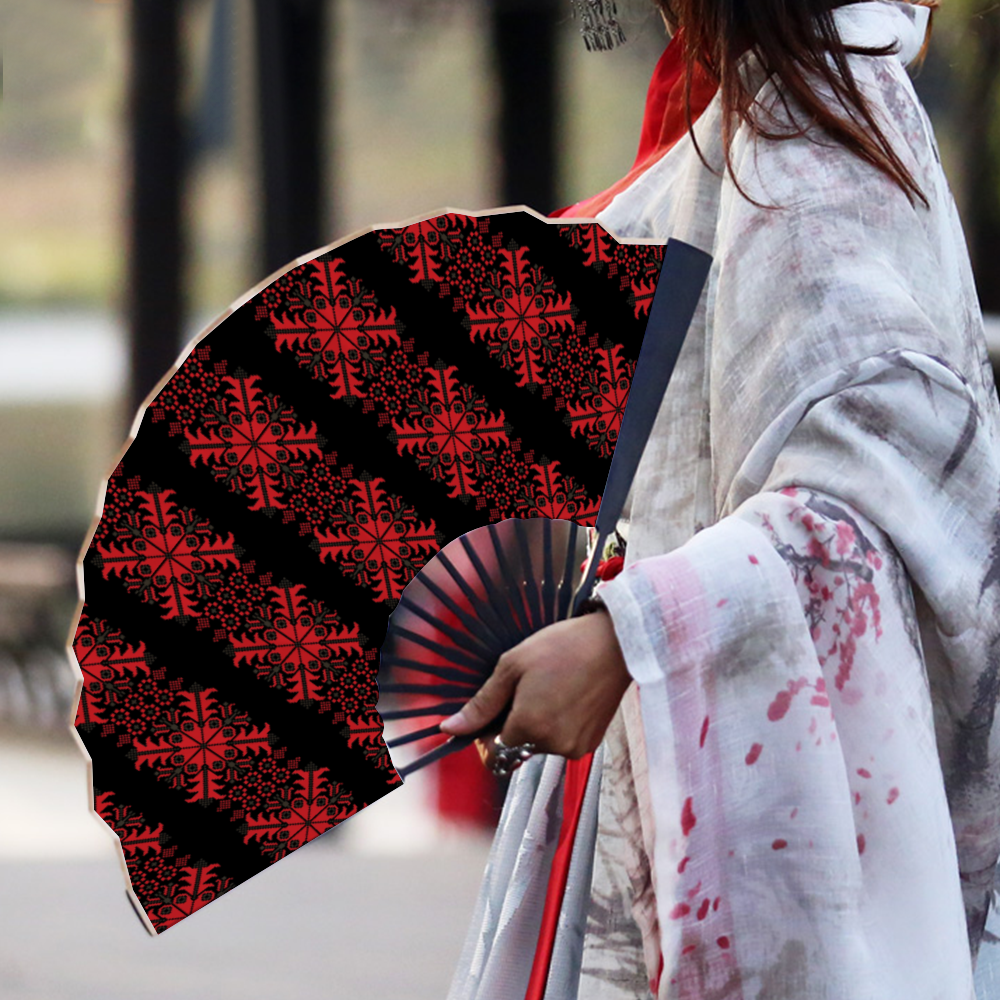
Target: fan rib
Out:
[457,636]
[474,680]
[453,655]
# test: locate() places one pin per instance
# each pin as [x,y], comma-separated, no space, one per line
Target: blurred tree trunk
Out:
[523,40]
[291,55]
[155,301]
[980,154]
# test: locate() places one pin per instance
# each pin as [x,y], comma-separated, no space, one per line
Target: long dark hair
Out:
[798,44]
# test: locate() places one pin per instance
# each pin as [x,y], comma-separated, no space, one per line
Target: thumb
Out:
[488,702]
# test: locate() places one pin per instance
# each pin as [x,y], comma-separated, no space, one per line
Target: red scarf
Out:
[664,123]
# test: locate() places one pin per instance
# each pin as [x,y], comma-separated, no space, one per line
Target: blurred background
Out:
[158,158]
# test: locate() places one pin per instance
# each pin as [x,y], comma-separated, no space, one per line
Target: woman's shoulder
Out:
[813,159]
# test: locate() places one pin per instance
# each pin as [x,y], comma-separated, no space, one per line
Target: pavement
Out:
[376,909]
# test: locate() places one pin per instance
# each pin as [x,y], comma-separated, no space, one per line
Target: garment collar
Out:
[874,23]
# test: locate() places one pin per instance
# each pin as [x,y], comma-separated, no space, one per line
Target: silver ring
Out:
[509,759]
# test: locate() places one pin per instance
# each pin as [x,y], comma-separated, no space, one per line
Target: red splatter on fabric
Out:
[779,844]
[779,707]
[753,559]
[892,796]
[754,753]
[864,772]
[683,864]
[722,942]
[680,910]
[704,732]
[703,909]
[861,843]
[688,818]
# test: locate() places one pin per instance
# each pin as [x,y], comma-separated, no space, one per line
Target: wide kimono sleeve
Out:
[818,669]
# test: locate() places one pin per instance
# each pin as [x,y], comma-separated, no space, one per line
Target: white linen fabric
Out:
[800,797]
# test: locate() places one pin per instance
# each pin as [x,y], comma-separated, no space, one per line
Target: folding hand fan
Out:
[491,588]
[307,457]
[479,596]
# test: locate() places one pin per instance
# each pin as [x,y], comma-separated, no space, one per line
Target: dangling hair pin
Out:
[599,24]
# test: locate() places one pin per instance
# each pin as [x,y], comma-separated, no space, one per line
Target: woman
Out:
[798,796]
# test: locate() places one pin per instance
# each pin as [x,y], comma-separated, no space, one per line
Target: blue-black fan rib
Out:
[456,635]
[473,679]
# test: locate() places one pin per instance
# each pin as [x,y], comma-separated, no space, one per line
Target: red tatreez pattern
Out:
[339,335]
[604,396]
[450,430]
[200,744]
[298,645]
[310,806]
[378,539]
[250,421]
[167,554]
[108,664]
[637,266]
[521,316]
[253,443]
[168,887]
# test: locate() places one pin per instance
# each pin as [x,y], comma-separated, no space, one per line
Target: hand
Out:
[564,684]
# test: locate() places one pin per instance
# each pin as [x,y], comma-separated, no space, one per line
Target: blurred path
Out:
[375,909]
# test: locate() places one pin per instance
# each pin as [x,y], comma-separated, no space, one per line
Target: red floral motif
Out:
[298,644]
[572,365]
[292,294]
[837,566]
[340,335]
[420,245]
[641,299]
[168,888]
[319,494]
[378,540]
[470,266]
[550,494]
[604,394]
[636,265]
[450,430]
[197,886]
[457,254]
[365,731]
[521,318]
[107,663]
[191,391]
[312,806]
[201,746]
[593,240]
[398,379]
[135,834]
[118,499]
[843,600]
[253,443]
[510,477]
[166,554]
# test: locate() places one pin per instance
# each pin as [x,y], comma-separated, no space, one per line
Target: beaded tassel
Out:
[599,24]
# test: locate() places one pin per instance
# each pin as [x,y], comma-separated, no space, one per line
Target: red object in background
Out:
[467,793]
[664,122]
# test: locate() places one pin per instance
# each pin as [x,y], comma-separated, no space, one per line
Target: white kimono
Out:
[800,796]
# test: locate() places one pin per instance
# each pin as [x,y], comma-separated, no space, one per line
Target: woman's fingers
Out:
[488,703]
